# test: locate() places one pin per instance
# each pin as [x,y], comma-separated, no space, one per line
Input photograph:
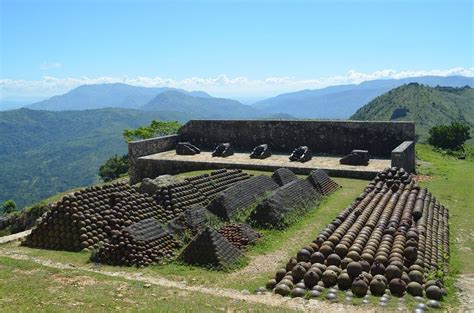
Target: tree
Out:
[9,206]
[117,166]
[450,137]
[114,168]
[155,129]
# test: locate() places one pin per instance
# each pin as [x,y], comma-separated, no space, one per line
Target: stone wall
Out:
[327,137]
[141,148]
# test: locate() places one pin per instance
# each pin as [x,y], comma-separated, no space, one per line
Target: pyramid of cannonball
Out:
[211,185]
[277,208]
[175,198]
[87,219]
[240,196]
[283,176]
[210,248]
[322,182]
[140,244]
[239,235]
[394,235]
[193,218]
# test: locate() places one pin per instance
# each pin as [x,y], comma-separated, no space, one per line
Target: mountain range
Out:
[101,96]
[340,102]
[334,102]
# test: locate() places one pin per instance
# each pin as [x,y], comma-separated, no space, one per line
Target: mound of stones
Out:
[186,148]
[139,244]
[240,196]
[261,152]
[283,176]
[210,248]
[223,150]
[393,236]
[322,182]
[356,157]
[301,154]
[87,219]
[239,235]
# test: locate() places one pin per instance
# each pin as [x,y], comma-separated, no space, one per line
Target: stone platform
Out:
[168,162]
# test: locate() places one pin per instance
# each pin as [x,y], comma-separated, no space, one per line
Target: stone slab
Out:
[15,237]
[168,162]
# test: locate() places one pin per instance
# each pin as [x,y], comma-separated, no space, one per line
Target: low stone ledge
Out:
[404,156]
[141,148]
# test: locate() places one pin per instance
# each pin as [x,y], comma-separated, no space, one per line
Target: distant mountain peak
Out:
[97,96]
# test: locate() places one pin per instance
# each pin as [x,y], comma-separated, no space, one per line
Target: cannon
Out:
[356,157]
[301,154]
[223,150]
[261,152]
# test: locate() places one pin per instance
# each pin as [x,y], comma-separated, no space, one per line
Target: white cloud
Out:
[221,85]
[49,65]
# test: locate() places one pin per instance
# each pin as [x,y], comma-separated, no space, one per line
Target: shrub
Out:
[114,168]
[451,137]
[9,206]
[156,128]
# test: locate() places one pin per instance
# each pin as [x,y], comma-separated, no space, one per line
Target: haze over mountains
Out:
[199,107]
[106,96]
[334,102]
[340,102]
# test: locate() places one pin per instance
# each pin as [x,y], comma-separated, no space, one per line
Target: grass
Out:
[452,183]
[27,286]
[448,178]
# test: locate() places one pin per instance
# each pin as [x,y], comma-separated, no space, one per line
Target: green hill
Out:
[426,106]
[43,152]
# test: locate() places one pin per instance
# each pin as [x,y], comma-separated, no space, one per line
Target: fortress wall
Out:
[329,137]
[141,148]
[336,138]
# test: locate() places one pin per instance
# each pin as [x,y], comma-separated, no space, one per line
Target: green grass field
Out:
[29,287]
[448,178]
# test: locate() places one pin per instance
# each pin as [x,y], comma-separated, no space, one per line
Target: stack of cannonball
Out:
[88,218]
[393,236]
[140,244]
[239,235]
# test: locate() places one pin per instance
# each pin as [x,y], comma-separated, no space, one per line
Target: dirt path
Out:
[270,261]
[268,299]
[465,285]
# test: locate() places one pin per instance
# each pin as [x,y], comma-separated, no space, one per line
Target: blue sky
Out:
[59,44]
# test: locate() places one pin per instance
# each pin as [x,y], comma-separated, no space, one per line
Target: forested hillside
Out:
[43,153]
[426,106]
